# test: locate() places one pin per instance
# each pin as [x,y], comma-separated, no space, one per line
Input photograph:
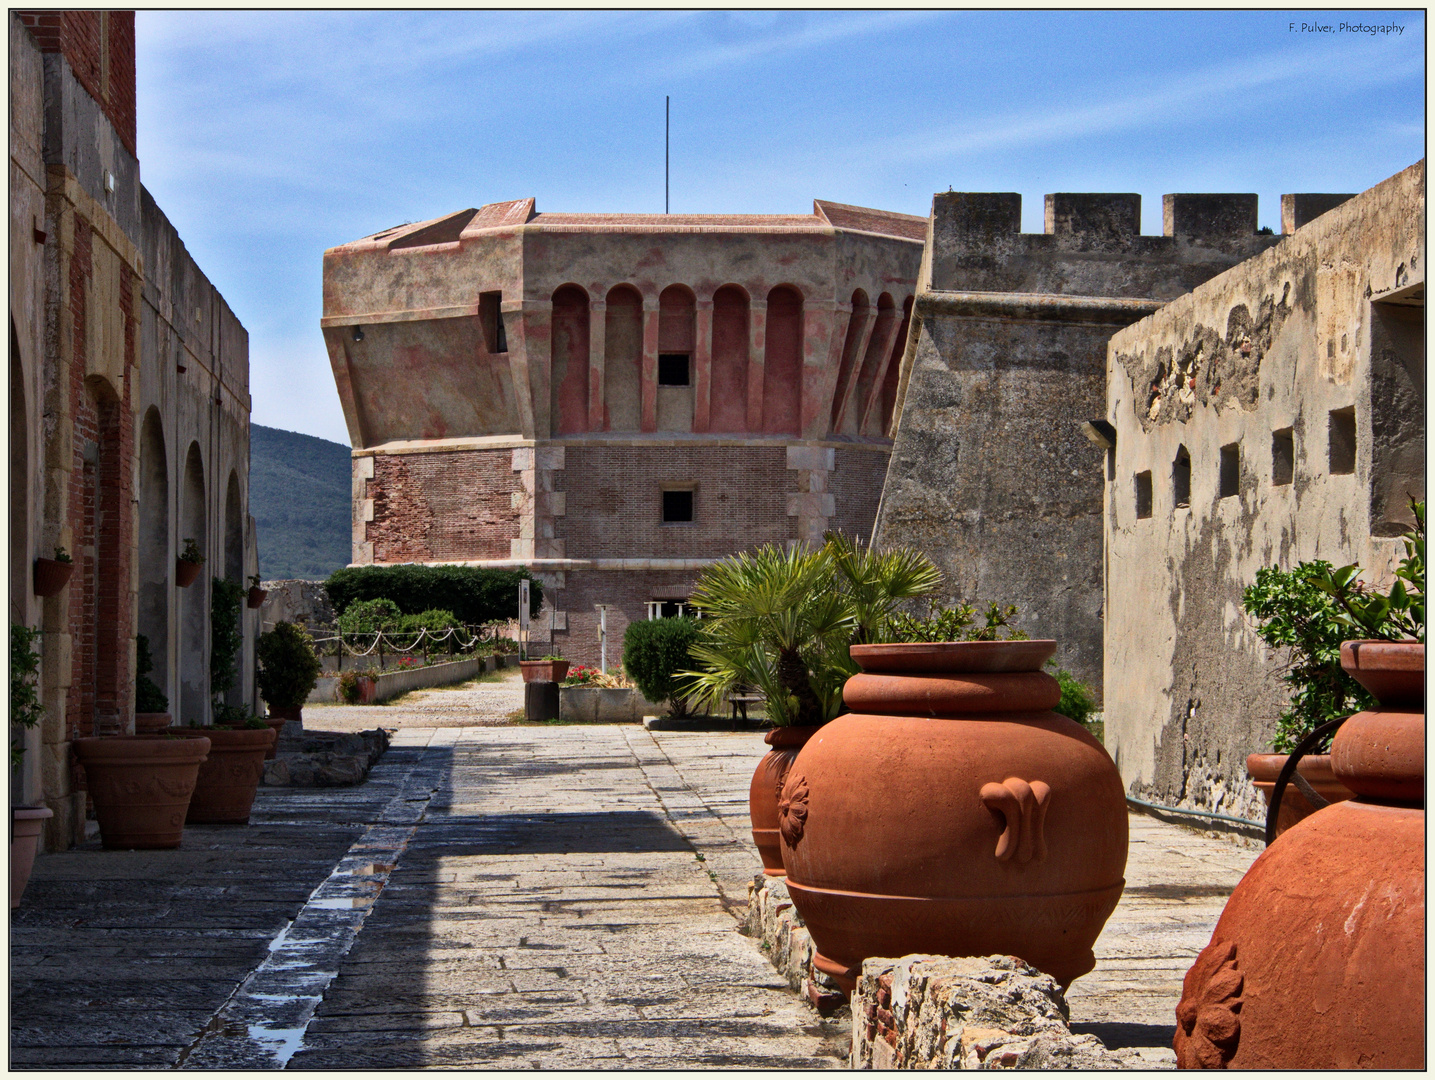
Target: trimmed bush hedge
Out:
[474,596]
[288,668]
[654,651]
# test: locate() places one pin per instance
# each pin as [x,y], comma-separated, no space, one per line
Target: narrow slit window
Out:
[1230,470]
[490,316]
[1181,479]
[1342,441]
[1143,494]
[1282,457]
[677,506]
[673,369]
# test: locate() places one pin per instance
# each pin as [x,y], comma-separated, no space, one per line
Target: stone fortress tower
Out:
[615,401]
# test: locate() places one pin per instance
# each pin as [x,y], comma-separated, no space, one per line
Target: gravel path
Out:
[484,702]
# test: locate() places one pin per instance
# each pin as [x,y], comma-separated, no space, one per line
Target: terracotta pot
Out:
[276,725]
[766,789]
[286,712]
[51,575]
[150,723]
[544,670]
[185,572]
[26,824]
[1263,770]
[953,813]
[141,786]
[230,776]
[1318,960]
[256,596]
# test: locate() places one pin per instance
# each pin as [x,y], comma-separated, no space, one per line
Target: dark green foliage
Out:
[474,596]
[226,599]
[26,709]
[654,651]
[1078,701]
[369,616]
[299,494]
[435,621]
[1394,615]
[148,696]
[1294,613]
[288,668]
[954,624]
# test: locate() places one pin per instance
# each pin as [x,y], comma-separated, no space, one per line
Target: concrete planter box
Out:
[595,705]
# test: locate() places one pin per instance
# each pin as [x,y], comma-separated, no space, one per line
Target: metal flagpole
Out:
[667,128]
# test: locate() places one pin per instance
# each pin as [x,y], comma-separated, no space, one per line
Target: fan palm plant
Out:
[782,620]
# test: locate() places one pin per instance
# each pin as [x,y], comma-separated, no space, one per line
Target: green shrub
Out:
[654,652]
[349,683]
[474,595]
[435,621]
[148,696]
[26,709]
[226,599]
[370,616]
[288,668]
[954,624]
[1078,701]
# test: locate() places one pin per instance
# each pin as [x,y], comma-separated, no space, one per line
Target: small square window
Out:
[677,506]
[1342,441]
[1143,494]
[1230,470]
[1282,457]
[1181,479]
[673,369]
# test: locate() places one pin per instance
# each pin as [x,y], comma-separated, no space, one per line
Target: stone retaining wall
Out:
[393,683]
[601,705]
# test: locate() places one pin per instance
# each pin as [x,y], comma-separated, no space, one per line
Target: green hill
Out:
[299,495]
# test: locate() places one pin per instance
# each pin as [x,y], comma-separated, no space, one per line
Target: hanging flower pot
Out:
[1318,960]
[185,572]
[256,597]
[953,813]
[766,790]
[52,575]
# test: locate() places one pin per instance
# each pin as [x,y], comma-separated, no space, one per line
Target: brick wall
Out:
[100,49]
[626,592]
[455,505]
[856,486]
[614,500]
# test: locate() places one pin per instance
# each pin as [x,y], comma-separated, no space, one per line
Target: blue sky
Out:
[270,136]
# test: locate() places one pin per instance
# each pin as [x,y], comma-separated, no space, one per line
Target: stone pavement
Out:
[494,897]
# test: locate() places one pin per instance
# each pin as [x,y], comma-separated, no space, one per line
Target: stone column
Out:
[756,368]
[703,366]
[824,332]
[597,340]
[869,397]
[648,375]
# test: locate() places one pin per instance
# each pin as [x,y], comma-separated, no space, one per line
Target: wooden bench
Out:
[742,698]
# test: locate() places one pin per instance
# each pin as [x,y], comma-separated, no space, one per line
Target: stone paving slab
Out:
[538,897]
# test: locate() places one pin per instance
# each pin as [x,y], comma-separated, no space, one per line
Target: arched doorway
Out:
[194,602]
[155,556]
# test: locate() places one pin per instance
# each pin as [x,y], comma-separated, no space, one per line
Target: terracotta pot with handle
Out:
[1315,769]
[952,812]
[766,789]
[1318,960]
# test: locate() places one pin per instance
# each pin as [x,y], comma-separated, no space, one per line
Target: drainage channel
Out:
[262,1024]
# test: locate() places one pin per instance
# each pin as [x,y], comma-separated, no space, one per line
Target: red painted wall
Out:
[622,360]
[782,372]
[728,409]
[570,361]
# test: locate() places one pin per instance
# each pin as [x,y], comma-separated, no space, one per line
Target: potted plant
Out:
[655,656]
[52,575]
[256,594]
[288,669]
[781,621]
[1311,611]
[26,711]
[151,705]
[550,668]
[357,686]
[186,567]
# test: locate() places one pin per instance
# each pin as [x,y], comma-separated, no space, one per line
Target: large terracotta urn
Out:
[952,812]
[141,786]
[766,789]
[1318,960]
[1315,769]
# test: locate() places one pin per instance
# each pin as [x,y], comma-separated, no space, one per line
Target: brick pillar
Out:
[649,371]
[756,369]
[703,366]
[597,341]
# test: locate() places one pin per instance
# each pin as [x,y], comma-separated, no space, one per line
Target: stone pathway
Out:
[481,703]
[494,897]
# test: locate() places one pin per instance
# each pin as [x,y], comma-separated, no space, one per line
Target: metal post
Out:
[602,637]
[523,619]
[667,128]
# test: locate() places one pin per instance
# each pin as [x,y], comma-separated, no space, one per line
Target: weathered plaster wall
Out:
[1329,319]
[990,473]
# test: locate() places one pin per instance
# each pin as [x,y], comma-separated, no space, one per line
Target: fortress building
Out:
[615,401]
